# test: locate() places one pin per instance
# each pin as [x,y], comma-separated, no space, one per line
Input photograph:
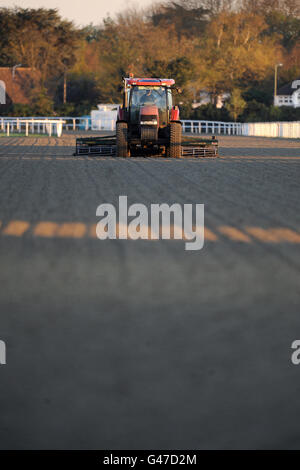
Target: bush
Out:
[259,112]
[255,112]
[67,109]
[42,105]
[286,113]
[206,112]
[17,109]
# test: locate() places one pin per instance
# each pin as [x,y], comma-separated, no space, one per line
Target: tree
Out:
[133,44]
[37,38]
[181,69]
[234,51]
[265,7]
[188,17]
[287,28]
[41,103]
[236,104]
[84,93]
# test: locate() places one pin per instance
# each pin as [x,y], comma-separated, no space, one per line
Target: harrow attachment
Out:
[191,147]
[106,147]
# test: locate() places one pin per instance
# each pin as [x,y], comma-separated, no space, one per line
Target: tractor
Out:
[147,121]
[148,124]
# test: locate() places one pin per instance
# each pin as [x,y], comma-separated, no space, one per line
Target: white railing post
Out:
[59,128]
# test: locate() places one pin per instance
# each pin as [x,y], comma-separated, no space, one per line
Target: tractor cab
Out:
[149,103]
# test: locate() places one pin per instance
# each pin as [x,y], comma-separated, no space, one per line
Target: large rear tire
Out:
[174,150]
[122,139]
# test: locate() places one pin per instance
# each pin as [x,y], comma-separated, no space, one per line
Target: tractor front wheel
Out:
[122,140]
[174,150]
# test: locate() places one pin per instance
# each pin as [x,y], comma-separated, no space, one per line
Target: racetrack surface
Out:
[123,344]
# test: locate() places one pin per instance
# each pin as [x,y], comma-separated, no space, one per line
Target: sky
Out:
[82,12]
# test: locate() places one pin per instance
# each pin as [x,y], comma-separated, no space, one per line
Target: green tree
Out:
[83,93]
[133,44]
[234,51]
[236,104]
[42,105]
[37,38]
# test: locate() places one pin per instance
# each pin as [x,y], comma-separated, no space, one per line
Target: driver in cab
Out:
[147,98]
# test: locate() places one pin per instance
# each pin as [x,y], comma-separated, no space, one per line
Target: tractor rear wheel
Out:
[175,140]
[122,140]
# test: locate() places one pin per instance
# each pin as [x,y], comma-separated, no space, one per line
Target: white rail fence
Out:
[44,124]
[212,127]
[289,130]
[58,124]
[34,125]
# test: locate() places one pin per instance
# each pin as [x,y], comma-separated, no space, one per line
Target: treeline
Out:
[227,48]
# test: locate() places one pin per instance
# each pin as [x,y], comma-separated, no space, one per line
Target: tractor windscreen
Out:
[149,96]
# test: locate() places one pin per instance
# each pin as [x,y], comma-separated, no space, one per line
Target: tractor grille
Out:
[149,133]
[149,117]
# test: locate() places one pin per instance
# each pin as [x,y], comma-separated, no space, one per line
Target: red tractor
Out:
[148,124]
[147,121]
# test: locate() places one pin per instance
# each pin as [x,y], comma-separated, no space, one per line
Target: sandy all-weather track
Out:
[141,344]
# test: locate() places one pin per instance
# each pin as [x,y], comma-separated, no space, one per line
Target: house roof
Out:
[19,87]
[289,88]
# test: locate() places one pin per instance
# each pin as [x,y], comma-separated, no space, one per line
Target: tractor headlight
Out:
[149,123]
